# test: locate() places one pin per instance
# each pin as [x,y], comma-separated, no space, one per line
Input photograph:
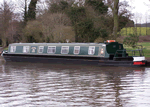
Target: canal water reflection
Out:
[50,85]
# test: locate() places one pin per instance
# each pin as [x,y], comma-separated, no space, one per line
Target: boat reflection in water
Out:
[34,84]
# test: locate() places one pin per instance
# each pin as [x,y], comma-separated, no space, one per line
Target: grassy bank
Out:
[6,48]
[146,51]
[131,30]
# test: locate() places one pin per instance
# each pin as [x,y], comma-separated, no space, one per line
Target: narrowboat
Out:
[109,53]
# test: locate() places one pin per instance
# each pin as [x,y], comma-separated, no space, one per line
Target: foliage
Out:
[51,28]
[130,23]
[61,33]
[122,22]
[76,14]
[59,7]
[6,16]
[131,40]
[32,33]
[25,16]
[85,30]
[98,6]
[103,33]
[54,27]
[32,9]
[60,21]
[84,26]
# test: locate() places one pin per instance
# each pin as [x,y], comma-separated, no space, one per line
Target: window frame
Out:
[12,49]
[78,49]
[90,49]
[42,49]
[64,47]
[51,51]
[25,47]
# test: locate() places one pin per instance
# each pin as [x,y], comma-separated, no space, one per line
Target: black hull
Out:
[66,60]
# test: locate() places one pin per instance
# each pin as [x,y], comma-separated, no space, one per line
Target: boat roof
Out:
[56,44]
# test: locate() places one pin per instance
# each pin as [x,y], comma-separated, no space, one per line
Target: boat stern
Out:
[139,61]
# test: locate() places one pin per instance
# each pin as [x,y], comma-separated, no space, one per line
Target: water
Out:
[50,85]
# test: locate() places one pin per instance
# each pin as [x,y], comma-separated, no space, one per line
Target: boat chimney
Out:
[67,40]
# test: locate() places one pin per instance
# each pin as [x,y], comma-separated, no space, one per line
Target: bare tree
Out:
[23,9]
[28,8]
[49,2]
[53,26]
[6,16]
[140,18]
[146,22]
[118,9]
[41,8]
[137,18]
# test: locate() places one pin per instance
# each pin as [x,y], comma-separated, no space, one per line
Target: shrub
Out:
[131,40]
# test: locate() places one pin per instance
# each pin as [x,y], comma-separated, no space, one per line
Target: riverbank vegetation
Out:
[60,20]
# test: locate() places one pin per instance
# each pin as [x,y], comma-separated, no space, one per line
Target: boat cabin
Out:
[106,50]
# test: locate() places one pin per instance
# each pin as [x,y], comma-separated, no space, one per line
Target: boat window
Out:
[64,49]
[25,49]
[114,46]
[12,48]
[91,50]
[41,48]
[51,49]
[76,49]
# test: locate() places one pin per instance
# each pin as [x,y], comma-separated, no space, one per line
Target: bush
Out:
[33,32]
[131,40]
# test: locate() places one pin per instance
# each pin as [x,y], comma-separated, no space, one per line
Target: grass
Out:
[146,50]
[131,30]
[6,48]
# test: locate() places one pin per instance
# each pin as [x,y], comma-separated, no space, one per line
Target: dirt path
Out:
[148,59]
[144,38]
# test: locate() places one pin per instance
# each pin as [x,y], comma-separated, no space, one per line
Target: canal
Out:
[50,85]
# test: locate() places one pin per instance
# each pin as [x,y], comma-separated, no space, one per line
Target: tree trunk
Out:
[126,31]
[4,40]
[25,13]
[76,33]
[146,27]
[115,16]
